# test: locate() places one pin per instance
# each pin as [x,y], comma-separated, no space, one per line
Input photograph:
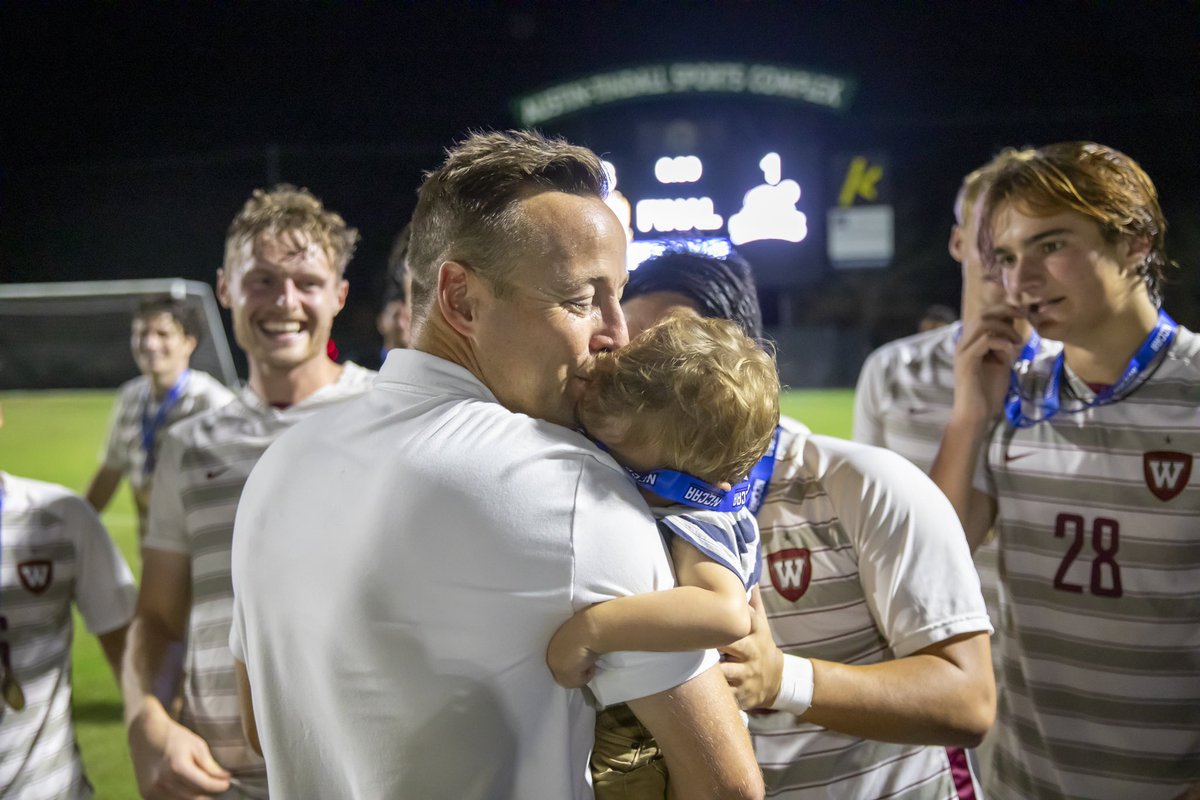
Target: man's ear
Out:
[458,296]
[222,289]
[956,246]
[1139,248]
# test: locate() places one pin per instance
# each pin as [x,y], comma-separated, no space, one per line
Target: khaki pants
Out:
[626,762]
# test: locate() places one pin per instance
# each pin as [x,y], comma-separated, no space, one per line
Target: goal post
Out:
[75,335]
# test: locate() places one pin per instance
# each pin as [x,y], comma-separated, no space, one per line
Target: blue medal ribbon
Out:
[152,425]
[688,490]
[1158,340]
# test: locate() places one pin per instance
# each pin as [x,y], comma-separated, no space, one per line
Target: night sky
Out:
[131,132]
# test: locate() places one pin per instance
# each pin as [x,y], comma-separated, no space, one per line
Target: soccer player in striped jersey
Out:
[54,552]
[867,588]
[1089,482]
[283,282]
[906,388]
[163,336]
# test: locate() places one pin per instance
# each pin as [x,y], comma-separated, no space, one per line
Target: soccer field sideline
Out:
[57,437]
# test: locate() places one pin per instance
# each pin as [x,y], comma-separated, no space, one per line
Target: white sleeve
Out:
[916,568]
[167,529]
[618,551]
[105,592]
[868,401]
[115,454]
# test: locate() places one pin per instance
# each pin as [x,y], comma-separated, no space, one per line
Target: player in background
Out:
[906,388]
[1088,483]
[283,282]
[54,553]
[394,321]
[164,334]
[688,408]
[867,586]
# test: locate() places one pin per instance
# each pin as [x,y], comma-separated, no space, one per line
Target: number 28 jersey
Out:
[1099,530]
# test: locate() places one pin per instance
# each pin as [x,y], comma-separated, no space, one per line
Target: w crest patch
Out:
[791,570]
[36,576]
[1166,472]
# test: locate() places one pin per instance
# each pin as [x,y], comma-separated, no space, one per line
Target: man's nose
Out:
[288,295]
[1020,276]
[612,332]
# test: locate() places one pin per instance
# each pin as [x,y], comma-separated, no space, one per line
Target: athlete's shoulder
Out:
[915,346]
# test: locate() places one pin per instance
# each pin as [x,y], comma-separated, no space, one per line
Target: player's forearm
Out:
[953,471]
[921,699]
[146,646]
[102,487]
[684,618]
[113,645]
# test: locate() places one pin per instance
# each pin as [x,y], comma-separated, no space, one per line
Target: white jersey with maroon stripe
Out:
[1099,531]
[864,561]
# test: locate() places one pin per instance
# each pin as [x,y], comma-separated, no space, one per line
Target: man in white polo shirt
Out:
[407,556]
[282,280]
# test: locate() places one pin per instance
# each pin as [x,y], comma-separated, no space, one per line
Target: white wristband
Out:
[796,686]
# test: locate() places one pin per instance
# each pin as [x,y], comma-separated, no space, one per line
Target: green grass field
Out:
[56,436]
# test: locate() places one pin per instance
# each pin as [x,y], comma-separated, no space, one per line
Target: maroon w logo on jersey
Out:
[36,575]
[791,570]
[1166,472]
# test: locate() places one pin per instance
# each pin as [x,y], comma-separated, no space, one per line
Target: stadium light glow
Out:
[617,201]
[642,249]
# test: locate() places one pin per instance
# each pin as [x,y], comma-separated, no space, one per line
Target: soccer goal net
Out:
[76,335]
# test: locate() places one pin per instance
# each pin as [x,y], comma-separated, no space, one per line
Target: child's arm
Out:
[707,609]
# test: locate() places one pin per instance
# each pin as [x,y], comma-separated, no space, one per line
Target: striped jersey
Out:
[204,464]
[864,561]
[902,402]
[53,552]
[1099,530]
[124,450]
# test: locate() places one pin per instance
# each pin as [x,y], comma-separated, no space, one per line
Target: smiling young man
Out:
[163,336]
[283,283]
[471,521]
[1089,483]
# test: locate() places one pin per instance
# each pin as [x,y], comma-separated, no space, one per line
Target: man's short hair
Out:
[467,209]
[722,288]
[1101,183]
[395,286]
[938,315]
[186,316]
[700,390]
[286,208]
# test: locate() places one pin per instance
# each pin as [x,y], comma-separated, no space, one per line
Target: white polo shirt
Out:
[413,551]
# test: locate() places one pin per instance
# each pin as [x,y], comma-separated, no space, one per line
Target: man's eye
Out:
[584,304]
[1050,247]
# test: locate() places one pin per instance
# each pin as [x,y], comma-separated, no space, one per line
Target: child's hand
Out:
[570,659]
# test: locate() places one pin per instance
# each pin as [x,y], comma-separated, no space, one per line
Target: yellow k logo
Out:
[860,182]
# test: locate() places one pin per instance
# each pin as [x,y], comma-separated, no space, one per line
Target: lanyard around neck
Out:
[1158,340]
[151,425]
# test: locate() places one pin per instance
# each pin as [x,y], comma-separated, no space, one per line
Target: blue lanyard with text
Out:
[760,475]
[688,490]
[1156,342]
[151,426]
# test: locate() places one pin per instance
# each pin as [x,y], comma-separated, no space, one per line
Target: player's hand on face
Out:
[753,666]
[570,659]
[987,350]
[173,763]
